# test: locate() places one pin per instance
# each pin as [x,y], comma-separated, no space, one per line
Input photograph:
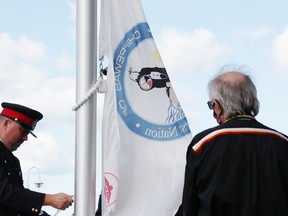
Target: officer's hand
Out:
[58,201]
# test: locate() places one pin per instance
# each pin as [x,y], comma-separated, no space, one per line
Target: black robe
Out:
[239,168]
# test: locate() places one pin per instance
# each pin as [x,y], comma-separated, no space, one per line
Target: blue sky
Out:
[195,38]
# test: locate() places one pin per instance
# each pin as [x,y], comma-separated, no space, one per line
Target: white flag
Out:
[145,132]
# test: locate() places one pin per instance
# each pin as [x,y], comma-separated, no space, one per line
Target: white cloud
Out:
[65,61]
[55,98]
[280,52]
[18,63]
[190,52]
[17,58]
[26,78]
[258,32]
[25,81]
[43,153]
[24,48]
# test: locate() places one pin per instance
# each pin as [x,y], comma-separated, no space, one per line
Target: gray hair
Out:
[235,96]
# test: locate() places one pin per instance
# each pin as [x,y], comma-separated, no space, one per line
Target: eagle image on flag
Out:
[145,133]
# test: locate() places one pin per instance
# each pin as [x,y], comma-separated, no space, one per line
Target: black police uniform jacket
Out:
[239,168]
[15,200]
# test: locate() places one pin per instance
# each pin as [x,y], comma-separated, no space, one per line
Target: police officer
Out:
[16,122]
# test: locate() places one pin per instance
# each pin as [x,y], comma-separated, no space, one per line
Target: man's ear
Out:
[6,122]
[217,113]
[217,108]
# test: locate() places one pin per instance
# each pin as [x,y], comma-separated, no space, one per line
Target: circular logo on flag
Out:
[145,97]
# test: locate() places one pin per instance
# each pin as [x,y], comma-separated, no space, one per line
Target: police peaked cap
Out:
[27,117]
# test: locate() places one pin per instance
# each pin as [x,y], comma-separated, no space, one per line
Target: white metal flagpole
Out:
[85,151]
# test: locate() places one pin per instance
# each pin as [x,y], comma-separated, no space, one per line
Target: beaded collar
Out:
[239,116]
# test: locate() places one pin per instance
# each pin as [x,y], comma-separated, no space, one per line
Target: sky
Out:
[195,39]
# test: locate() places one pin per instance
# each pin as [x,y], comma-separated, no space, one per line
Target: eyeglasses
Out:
[210,104]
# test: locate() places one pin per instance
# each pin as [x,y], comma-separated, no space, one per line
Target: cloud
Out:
[190,52]
[17,55]
[24,49]
[65,61]
[260,31]
[30,77]
[25,77]
[280,52]
[18,63]
[43,153]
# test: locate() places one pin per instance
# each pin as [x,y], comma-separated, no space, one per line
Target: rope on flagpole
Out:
[99,85]
[91,91]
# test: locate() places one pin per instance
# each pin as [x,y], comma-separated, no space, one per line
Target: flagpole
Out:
[85,151]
